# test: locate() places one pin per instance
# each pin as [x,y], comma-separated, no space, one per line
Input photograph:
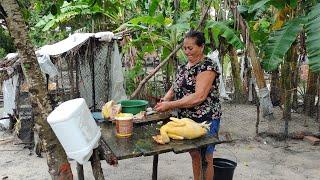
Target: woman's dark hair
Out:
[199,36]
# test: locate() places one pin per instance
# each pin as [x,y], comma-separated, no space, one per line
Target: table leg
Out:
[155,167]
[96,165]
[80,171]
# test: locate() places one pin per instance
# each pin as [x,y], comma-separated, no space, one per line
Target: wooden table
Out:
[142,144]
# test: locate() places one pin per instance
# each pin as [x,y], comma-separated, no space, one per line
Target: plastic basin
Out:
[133,106]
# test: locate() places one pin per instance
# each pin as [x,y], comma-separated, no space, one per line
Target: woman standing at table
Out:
[195,95]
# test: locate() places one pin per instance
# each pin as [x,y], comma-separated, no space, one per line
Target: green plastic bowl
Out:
[133,106]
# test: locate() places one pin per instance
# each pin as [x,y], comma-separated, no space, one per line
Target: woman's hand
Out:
[163,106]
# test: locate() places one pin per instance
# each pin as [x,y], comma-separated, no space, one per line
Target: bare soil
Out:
[262,158]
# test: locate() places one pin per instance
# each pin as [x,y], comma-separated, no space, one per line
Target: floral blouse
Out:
[185,84]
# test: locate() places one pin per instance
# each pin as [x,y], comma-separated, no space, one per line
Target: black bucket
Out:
[223,169]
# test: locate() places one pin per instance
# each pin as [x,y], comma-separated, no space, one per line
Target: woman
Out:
[195,95]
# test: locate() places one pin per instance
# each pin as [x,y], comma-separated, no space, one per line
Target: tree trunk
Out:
[264,93]
[239,94]
[59,167]
[295,82]
[318,104]
[309,99]
[286,71]
[275,92]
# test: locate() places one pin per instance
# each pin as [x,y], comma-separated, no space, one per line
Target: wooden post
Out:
[258,118]
[80,171]
[96,165]
[155,167]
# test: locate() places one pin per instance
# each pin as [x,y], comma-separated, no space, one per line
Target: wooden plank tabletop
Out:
[141,142]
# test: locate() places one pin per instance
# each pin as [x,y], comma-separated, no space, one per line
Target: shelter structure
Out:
[86,65]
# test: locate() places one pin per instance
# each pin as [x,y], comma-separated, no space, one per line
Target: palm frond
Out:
[279,43]
[313,38]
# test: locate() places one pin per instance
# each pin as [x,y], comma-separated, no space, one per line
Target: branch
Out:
[145,80]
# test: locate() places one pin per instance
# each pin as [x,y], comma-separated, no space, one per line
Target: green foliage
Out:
[133,76]
[279,43]
[257,5]
[6,43]
[71,16]
[313,38]
[279,4]
[69,11]
[259,31]
[221,29]
[2,52]
[293,3]
[157,32]
[153,7]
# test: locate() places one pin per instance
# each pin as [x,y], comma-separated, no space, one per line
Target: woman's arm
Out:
[169,95]
[204,82]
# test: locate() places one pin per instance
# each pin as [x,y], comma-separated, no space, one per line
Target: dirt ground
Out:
[257,158]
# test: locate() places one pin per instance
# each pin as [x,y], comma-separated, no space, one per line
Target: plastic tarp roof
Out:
[44,53]
[65,45]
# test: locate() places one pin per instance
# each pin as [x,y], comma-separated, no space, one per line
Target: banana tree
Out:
[280,41]
[281,47]
[264,95]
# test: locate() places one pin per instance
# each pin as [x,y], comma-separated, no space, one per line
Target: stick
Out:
[293,135]
[145,80]
[10,149]
[6,141]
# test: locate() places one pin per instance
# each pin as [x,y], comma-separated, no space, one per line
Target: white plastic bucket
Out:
[77,131]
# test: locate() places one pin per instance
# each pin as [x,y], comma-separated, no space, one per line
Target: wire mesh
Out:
[84,72]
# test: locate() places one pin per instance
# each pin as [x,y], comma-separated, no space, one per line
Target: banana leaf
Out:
[313,38]
[221,29]
[279,43]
